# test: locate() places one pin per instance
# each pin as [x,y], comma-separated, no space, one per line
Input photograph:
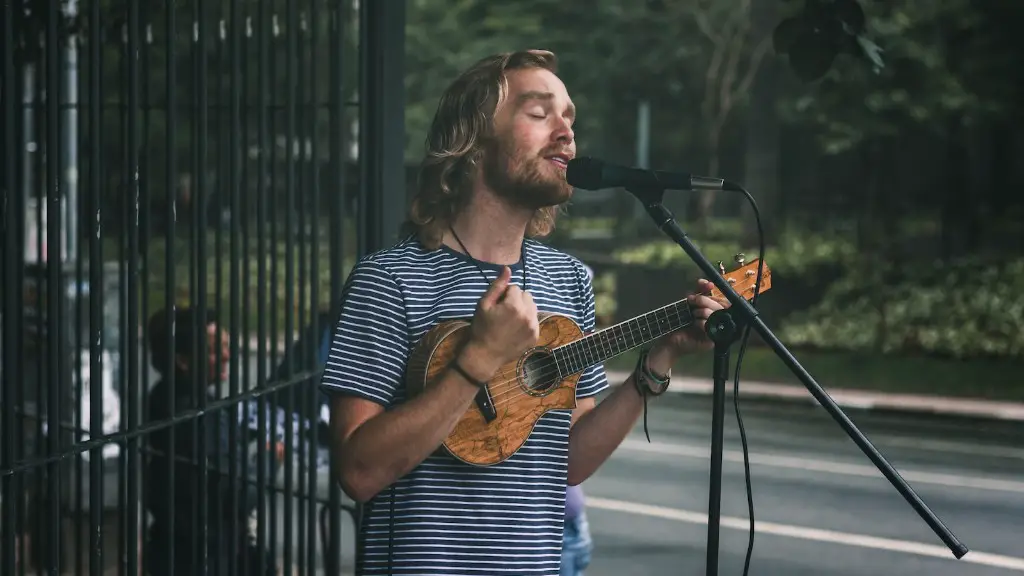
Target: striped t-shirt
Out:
[449,517]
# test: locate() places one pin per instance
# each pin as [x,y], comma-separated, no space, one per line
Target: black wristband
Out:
[455,365]
[643,377]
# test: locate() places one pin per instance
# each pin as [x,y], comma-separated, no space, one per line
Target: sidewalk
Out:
[856,399]
[844,397]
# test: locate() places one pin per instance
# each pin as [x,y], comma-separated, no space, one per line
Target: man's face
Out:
[534,141]
[217,354]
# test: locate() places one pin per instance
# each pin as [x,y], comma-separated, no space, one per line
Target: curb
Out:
[855,399]
[844,397]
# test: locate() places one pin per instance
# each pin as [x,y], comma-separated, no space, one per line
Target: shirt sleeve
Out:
[369,346]
[594,380]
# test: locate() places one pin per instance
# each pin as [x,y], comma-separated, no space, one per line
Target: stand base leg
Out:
[721,328]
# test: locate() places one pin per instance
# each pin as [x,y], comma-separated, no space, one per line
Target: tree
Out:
[734,55]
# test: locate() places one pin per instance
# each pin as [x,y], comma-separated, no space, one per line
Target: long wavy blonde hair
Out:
[456,142]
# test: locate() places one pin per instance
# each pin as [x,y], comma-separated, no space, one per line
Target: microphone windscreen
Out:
[586,173]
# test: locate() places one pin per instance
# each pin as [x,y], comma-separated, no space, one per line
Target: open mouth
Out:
[560,160]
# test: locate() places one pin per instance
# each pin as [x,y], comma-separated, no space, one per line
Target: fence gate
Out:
[185,186]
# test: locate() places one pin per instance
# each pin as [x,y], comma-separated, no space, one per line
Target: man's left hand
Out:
[693,338]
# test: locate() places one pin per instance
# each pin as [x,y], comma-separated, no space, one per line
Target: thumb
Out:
[497,289]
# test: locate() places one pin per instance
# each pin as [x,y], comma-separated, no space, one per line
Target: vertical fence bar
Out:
[262,193]
[13,214]
[15,163]
[292,154]
[336,215]
[76,81]
[314,295]
[34,190]
[54,287]
[198,329]
[213,200]
[146,186]
[246,223]
[74,78]
[132,288]
[296,361]
[381,123]
[296,364]
[170,268]
[96,292]
[122,292]
[275,243]
[234,173]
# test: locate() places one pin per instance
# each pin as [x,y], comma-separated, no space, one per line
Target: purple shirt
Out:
[574,501]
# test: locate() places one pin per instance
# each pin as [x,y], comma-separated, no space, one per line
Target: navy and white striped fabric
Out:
[451,518]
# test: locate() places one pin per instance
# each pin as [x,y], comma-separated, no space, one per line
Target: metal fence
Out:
[185,186]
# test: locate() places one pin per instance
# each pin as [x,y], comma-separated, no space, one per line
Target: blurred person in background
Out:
[577,544]
[220,490]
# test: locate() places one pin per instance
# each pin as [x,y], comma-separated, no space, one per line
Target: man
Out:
[493,178]
[186,391]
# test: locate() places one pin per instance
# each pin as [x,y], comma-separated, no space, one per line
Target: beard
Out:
[522,179]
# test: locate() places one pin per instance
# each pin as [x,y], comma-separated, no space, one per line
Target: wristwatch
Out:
[647,382]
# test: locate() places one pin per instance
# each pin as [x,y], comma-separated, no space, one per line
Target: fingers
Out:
[701,314]
[698,302]
[496,290]
[704,286]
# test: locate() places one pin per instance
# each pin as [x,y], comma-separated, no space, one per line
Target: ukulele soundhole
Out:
[538,373]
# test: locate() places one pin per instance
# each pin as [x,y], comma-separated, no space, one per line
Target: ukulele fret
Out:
[601,346]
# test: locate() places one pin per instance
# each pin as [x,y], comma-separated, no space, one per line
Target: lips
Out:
[560,160]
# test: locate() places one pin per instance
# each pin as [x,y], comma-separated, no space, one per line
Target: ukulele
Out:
[544,377]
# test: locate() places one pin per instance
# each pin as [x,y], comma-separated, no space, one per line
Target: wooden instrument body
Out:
[519,400]
[522,391]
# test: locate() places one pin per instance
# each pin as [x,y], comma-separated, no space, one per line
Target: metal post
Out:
[381,123]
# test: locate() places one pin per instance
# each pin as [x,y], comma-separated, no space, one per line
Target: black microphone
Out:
[593,174]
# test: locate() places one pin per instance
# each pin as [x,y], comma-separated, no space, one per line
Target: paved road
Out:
[821,506]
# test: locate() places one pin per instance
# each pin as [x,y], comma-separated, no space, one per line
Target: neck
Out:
[490,228]
[608,343]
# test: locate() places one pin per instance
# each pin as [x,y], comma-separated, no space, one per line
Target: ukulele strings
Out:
[509,389]
[511,386]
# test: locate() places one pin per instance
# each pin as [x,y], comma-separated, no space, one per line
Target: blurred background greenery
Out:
[891,200]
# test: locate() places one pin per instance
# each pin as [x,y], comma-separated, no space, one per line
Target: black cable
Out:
[736,380]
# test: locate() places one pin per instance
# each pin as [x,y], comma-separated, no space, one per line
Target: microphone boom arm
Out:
[723,328]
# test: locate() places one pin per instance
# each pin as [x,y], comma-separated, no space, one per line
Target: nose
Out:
[564,132]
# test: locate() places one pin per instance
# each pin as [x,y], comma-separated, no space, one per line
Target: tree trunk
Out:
[761,173]
[702,204]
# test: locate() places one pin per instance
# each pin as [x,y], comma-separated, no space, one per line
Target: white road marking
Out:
[954,447]
[804,533]
[792,462]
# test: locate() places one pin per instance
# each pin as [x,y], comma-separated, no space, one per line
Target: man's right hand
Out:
[505,325]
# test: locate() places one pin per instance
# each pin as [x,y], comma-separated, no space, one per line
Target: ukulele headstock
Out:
[743,279]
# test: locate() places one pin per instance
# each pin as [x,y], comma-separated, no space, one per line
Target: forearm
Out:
[601,430]
[389,445]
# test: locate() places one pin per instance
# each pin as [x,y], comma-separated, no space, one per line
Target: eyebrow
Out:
[539,95]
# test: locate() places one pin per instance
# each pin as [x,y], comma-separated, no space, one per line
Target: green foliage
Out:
[925,82]
[445,37]
[611,54]
[795,253]
[969,309]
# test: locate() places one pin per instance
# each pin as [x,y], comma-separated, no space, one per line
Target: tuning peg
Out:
[740,259]
[721,268]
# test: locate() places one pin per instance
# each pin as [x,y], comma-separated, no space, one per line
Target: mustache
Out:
[558,150]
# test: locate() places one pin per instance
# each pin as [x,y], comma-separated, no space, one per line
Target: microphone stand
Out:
[723,327]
